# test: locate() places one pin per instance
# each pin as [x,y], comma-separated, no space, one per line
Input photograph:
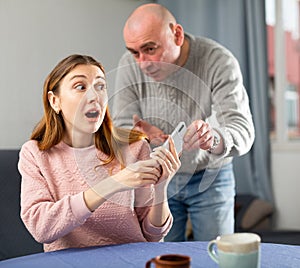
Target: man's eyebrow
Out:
[143,46]
[148,44]
[131,50]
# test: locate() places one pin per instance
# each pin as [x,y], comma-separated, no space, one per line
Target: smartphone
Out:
[177,136]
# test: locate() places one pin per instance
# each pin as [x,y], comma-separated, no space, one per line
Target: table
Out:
[136,255]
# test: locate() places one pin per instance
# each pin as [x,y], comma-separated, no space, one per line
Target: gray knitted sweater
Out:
[208,87]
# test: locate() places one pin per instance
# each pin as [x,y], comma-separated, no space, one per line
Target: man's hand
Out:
[199,135]
[155,135]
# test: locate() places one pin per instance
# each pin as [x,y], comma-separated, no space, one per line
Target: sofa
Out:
[15,240]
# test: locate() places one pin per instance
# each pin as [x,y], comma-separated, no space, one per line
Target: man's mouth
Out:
[153,74]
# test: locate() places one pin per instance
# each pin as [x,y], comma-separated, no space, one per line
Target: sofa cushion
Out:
[14,237]
[252,213]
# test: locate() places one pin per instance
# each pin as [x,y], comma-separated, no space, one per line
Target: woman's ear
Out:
[54,101]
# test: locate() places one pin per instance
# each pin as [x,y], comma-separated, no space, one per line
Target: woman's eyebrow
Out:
[78,76]
[84,76]
[100,77]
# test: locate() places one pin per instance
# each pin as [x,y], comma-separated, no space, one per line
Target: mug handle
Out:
[212,251]
[148,263]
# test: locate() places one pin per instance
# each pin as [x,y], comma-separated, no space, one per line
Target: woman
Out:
[84,182]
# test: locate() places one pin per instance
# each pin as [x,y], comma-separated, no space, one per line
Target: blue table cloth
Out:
[137,254]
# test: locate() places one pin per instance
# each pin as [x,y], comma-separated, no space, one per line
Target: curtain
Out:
[239,25]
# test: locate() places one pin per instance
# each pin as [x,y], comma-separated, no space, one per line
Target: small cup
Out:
[170,261]
[236,250]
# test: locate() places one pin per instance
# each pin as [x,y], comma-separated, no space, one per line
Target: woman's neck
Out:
[79,140]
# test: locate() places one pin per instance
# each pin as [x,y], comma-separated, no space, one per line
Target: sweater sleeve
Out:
[230,103]
[151,233]
[45,218]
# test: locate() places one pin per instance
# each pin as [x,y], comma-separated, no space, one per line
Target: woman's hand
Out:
[168,161]
[139,174]
[157,171]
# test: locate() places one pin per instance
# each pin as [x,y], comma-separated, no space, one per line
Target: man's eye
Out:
[135,54]
[150,50]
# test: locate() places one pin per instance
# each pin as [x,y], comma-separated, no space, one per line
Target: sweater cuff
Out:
[227,141]
[156,233]
[79,208]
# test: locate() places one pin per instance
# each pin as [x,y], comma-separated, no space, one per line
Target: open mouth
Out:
[92,114]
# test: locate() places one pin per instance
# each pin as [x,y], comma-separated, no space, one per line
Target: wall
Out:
[35,35]
[286,185]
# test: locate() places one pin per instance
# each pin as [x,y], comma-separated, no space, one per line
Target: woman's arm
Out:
[136,175]
[46,218]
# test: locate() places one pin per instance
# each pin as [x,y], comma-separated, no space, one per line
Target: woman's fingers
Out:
[147,170]
[162,164]
[168,159]
[164,153]
[173,151]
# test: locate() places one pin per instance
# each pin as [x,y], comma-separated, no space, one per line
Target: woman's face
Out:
[82,102]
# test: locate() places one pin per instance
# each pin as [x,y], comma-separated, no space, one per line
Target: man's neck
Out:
[184,53]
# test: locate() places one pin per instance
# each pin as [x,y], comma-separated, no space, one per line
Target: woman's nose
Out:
[92,95]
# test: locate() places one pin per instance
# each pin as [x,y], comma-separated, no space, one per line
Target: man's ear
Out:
[54,101]
[179,34]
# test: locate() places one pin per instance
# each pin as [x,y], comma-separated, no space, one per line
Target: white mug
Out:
[236,250]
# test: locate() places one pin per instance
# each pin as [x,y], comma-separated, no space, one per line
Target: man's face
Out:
[154,50]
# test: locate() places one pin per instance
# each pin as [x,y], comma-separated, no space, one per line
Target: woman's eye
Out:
[100,87]
[80,87]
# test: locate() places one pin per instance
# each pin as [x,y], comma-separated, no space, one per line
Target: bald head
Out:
[155,40]
[149,15]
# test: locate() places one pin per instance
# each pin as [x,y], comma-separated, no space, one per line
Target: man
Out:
[170,76]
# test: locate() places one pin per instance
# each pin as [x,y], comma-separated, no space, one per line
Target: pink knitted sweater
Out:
[52,204]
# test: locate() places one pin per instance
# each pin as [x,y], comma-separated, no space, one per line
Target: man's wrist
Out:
[216,142]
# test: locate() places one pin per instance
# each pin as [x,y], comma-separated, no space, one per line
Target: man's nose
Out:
[144,62]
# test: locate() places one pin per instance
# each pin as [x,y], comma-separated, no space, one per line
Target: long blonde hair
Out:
[51,128]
